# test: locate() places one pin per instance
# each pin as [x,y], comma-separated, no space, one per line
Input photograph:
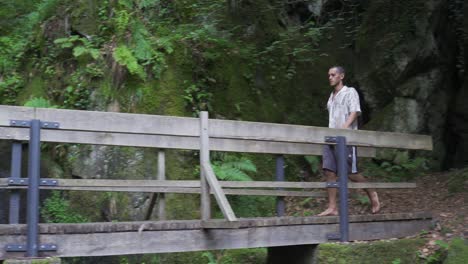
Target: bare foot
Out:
[375,202]
[329,211]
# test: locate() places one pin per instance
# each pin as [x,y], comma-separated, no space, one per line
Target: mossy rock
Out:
[368,253]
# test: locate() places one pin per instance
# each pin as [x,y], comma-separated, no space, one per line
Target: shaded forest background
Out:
[263,60]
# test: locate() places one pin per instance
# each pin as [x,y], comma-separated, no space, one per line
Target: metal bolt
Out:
[22,181]
[12,181]
[54,181]
[42,246]
[53,246]
[24,123]
[20,246]
[13,122]
[56,125]
[46,124]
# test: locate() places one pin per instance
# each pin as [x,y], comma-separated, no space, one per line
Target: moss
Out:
[34,88]
[458,252]
[383,251]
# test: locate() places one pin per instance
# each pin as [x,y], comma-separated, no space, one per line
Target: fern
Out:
[232,168]
[124,57]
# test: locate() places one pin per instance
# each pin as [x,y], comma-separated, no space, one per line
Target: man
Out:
[343,108]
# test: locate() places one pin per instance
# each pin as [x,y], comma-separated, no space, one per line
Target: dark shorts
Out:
[329,158]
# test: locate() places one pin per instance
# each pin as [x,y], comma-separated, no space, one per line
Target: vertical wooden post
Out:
[204,158]
[161,177]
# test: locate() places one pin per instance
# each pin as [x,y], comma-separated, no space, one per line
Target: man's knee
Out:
[330,175]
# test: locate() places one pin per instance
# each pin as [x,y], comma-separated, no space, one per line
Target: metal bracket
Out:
[22,247]
[333,236]
[333,185]
[27,123]
[25,182]
[330,139]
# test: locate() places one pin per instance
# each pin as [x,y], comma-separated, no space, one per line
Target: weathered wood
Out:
[89,121]
[79,120]
[106,227]
[205,201]
[170,142]
[196,184]
[161,177]
[308,134]
[164,241]
[218,192]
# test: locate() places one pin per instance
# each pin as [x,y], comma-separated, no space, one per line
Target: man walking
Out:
[343,108]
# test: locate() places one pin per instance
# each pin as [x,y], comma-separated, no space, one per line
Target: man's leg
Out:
[331,210]
[373,197]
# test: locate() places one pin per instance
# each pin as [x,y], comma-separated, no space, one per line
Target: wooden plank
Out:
[181,190]
[222,129]
[229,184]
[106,227]
[309,134]
[161,177]
[218,192]
[143,241]
[205,201]
[80,120]
[169,142]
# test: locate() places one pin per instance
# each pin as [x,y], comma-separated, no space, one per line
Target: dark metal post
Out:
[280,206]
[15,170]
[341,152]
[33,188]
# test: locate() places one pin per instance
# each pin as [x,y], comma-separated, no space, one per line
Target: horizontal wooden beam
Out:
[148,184]
[108,124]
[309,134]
[107,227]
[146,239]
[170,142]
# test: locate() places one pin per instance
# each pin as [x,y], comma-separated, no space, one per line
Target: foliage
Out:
[210,257]
[57,209]
[457,251]
[367,253]
[314,163]
[458,181]
[10,87]
[397,168]
[233,168]
[124,56]
[39,102]
[81,46]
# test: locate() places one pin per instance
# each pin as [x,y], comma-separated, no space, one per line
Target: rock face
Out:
[406,63]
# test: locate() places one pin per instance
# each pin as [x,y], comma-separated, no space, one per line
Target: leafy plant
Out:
[233,168]
[314,163]
[210,257]
[124,56]
[80,46]
[39,102]
[57,209]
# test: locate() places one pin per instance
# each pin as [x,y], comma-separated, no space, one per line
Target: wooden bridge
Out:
[36,125]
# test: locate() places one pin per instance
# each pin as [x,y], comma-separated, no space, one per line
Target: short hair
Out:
[340,69]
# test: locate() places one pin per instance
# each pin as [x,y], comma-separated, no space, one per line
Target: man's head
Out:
[336,75]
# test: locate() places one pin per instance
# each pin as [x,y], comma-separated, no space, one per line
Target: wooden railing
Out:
[203,134]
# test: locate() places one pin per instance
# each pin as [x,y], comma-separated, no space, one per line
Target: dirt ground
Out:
[449,211]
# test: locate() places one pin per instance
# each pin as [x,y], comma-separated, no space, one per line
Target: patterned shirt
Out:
[341,106]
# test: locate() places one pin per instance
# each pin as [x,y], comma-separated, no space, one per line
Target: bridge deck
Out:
[98,239]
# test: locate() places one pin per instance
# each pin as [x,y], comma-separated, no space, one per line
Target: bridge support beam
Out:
[299,254]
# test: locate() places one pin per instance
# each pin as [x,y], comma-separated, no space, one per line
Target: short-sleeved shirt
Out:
[341,106]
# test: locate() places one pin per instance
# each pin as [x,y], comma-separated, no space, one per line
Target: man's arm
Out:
[352,116]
